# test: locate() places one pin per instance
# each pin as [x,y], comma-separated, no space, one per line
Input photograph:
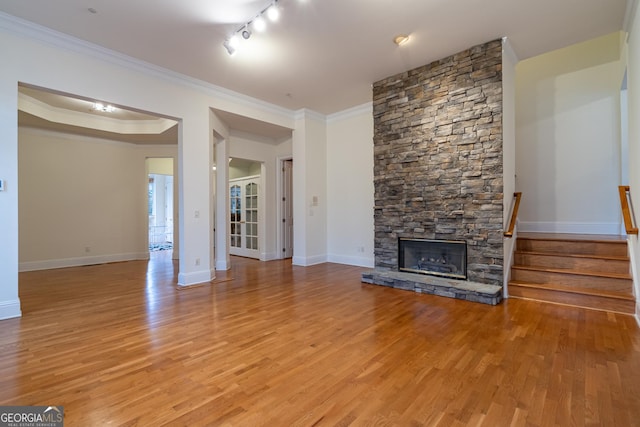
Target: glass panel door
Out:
[235,198]
[244,220]
[251,215]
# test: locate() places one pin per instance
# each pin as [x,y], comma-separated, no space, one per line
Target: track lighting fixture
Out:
[258,23]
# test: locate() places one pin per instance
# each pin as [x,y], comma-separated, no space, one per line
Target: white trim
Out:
[509,245]
[629,15]
[632,246]
[358,110]
[195,278]
[94,139]
[570,227]
[222,266]
[80,261]
[10,309]
[268,256]
[307,261]
[306,113]
[507,50]
[60,40]
[359,261]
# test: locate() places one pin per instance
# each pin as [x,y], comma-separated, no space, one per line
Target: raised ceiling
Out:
[323,54]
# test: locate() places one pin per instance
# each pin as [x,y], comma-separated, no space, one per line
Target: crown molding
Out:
[30,30]
[629,15]
[507,49]
[305,113]
[358,110]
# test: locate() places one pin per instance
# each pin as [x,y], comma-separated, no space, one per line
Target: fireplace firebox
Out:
[445,258]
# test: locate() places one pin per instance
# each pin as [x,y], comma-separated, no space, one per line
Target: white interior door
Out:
[244,203]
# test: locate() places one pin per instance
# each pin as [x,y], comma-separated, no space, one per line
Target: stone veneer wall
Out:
[438,159]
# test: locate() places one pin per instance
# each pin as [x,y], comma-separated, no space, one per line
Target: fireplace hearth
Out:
[444,258]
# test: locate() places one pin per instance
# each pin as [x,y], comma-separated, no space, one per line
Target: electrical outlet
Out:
[87,249]
[197,261]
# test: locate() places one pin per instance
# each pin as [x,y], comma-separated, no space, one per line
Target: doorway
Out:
[160,204]
[246,208]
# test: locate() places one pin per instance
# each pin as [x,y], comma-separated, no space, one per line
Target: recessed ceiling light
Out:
[98,106]
[401,39]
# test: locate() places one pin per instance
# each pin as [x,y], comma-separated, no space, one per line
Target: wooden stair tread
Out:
[575,290]
[565,237]
[566,255]
[573,272]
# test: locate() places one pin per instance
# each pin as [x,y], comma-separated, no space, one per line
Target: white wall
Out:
[160,166]
[44,58]
[310,189]
[633,75]
[82,200]
[350,192]
[568,138]
[509,61]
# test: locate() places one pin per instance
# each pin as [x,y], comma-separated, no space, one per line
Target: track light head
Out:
[259,24]
[273,13]
[230,49]
[246,34]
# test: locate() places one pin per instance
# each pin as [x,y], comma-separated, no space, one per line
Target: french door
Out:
[243,198]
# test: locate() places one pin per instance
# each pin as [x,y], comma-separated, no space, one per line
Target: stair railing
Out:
[625,203]
[514,215]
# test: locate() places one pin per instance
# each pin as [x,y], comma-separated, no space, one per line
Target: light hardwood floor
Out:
[278,345]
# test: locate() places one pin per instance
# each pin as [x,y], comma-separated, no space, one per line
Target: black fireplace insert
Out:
[445,258]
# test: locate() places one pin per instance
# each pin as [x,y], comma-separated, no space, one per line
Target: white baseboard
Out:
[222,265]
[10,309]
[509,249]
[307,261]
[359,261]
[195,277]
[268,256]
[80,261]
[570,227]
[633,247]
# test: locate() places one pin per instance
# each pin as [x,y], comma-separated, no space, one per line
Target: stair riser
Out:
[573,247]
[572,263]
[579,281]
[580,300]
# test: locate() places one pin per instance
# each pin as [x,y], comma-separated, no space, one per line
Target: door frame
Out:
[279,208]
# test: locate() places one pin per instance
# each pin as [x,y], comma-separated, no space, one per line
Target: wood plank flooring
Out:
[278,345]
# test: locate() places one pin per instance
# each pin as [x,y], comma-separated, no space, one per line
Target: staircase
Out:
[583,271]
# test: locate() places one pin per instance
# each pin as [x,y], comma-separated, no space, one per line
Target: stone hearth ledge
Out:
[459,289]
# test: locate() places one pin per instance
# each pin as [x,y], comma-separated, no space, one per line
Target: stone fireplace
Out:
[438,168]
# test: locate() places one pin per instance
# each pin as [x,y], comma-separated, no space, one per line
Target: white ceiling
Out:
[322,54]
